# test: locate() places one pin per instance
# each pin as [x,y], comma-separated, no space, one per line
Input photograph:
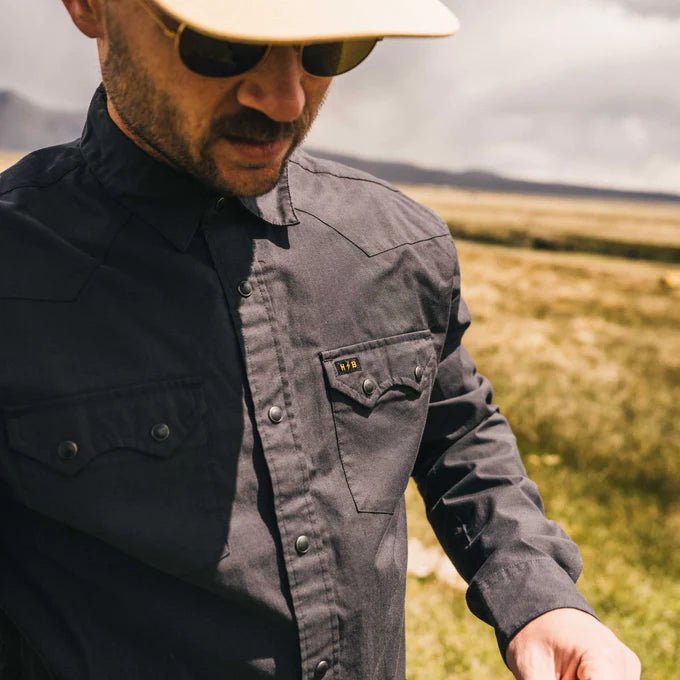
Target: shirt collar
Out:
[171,201]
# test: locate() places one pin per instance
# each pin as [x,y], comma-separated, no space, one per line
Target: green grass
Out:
[527,238]
[584,352]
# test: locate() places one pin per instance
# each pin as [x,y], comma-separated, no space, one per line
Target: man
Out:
[222,361]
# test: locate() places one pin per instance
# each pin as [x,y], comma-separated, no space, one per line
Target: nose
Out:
[275,86]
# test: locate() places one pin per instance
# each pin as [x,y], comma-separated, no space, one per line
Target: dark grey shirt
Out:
[211,408]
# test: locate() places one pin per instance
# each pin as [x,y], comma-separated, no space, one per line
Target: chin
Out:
[252,182]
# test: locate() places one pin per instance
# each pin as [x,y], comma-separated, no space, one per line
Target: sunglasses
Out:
[216,58]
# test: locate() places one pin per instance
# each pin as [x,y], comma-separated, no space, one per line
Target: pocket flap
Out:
[67,433]
[365,371]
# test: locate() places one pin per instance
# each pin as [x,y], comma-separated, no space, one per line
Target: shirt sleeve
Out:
[485,511]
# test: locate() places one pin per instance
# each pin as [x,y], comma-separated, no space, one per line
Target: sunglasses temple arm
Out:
[169,32]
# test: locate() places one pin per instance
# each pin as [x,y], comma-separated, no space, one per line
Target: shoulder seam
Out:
[357,179]
[38,185]
[434,237]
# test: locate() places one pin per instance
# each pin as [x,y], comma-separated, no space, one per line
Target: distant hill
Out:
[25,125]
[404,173]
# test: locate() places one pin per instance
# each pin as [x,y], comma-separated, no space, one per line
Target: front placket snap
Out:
[245,289]
[263,342]
[302,545]
[275,415]
[321,669]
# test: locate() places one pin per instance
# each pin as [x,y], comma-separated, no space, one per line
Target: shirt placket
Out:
[304,550]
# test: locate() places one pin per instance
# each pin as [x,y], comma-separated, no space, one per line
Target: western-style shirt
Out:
[211,408]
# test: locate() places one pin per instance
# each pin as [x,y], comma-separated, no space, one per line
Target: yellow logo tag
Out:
[346,366]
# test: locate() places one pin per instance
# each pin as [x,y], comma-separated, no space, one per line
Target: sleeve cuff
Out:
[512,597]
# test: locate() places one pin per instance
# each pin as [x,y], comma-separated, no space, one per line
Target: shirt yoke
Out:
[41,168]
[53,233]
[371,213]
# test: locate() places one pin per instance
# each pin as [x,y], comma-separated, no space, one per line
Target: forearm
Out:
[485,511]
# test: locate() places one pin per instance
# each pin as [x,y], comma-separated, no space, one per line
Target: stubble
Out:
[152,116]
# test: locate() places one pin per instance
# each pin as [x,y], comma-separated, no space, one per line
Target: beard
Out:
[152,116]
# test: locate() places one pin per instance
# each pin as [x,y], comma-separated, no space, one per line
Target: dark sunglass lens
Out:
[334,58]
[217,58]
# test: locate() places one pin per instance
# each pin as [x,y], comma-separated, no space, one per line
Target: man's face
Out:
[233,134]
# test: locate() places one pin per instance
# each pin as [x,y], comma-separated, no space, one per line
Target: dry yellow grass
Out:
[478,213]
[599,340]
[584,352]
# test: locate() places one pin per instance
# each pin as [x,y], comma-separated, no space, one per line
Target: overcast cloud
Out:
[664,8]
[581,91]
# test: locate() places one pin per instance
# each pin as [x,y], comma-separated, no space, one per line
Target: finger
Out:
[624,666]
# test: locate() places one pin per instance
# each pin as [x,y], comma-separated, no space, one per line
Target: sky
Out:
[579,91]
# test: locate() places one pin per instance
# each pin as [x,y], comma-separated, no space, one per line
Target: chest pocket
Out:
[380,392]
[126,465]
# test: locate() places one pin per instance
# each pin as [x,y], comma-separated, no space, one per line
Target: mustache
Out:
[255,126]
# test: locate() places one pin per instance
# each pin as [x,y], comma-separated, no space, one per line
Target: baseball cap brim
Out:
[293,21]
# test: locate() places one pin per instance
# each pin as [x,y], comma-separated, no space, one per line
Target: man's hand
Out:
[568,644]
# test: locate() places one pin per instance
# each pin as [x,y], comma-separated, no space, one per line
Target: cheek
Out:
[316,90]
[196,102]
[183,88]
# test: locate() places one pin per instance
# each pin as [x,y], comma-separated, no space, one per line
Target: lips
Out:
[258,151]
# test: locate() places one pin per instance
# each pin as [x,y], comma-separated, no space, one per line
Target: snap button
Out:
[275,414]
[302,545]
[368,387]
[160,432]
[219,203]
[321,669]
[67,450]
[418,372]
[245,289]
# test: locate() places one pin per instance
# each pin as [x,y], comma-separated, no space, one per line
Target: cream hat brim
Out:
[294,21]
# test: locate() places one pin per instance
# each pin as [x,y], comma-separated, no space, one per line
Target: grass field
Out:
[584,352]
[624,228]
